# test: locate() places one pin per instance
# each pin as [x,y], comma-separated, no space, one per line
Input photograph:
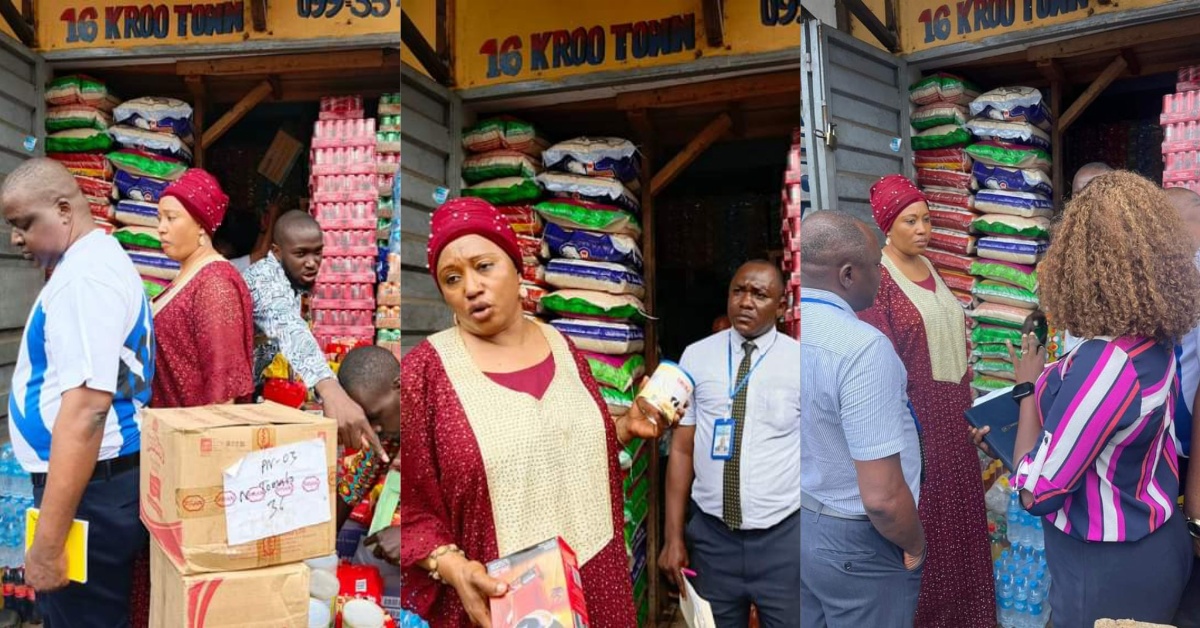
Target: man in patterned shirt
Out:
[277,285]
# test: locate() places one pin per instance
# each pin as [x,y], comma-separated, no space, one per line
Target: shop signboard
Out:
[537,40]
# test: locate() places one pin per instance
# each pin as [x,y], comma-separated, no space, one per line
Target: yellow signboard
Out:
[522,40]
[83,24]
[931,23]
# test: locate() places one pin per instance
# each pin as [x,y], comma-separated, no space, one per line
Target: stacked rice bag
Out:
[77,122]
[153,141]
[345,191]
[504,159]
[387,298]
[1015,201]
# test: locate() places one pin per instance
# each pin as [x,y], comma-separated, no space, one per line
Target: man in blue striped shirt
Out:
[862,545]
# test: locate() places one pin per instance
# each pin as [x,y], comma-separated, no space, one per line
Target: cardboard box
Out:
[274,597]
[183,499]
[544,588]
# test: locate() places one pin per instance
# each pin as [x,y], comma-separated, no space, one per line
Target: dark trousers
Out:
[737,568]
[115,536]
[852,577]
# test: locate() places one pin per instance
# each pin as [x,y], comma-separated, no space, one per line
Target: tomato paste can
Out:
[669,387]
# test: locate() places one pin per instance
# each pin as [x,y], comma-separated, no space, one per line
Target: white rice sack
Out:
[596,189]
[137,214]
[154,264]
[149,141]
[1020,132]
[1014,104]
[602,337]
[595,157]
[161,115]
[1023,204]
[600,276]
[1011,250]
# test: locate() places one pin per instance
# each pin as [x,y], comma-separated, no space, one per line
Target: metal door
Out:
[855,113]
[431,163]
[22,116]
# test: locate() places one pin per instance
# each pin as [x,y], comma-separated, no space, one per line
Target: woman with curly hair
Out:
[1095,450]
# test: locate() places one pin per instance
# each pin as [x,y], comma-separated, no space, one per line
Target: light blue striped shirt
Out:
[855,403]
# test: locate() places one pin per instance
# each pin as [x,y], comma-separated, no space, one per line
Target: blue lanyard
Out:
[733,393]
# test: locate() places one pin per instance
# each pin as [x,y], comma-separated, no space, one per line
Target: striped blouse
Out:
[1105,468]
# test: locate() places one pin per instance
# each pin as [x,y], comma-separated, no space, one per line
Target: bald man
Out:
[81,380]
[1086,174]
[863,547]
[277,285]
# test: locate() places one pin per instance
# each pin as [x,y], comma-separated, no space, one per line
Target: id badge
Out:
[722,445]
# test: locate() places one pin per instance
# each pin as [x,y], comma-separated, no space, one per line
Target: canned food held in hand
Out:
[668,388]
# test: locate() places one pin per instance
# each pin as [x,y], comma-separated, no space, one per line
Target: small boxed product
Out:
[544,588]
[233,487]
[274,597]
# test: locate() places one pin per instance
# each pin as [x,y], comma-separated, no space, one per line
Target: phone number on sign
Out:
[316,9]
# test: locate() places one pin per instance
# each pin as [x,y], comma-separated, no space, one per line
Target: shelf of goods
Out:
[574,208]
[983,162]
[124,155]
[387,316]
[795,202]
[1181,132]
[344,192]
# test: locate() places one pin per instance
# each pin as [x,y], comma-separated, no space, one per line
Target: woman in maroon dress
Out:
[507,441]
[925,322]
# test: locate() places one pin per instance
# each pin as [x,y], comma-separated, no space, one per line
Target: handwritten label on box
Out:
[277,490]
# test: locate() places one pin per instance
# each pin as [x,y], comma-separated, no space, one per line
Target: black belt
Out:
[105,469]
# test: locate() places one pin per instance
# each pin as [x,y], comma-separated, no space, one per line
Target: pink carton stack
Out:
[1181,132]
[795,201]
[344,190]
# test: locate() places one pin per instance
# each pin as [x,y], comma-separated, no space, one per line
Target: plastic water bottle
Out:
[6,463]
[1037,608]
[1039,536]
[1014,518]
[1006,602]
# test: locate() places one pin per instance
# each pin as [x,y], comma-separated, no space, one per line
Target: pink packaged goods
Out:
[341,133]
[341,108]
[950,198]
[946,179]
[951,219]
[952,241]
[950,261]
[955,159]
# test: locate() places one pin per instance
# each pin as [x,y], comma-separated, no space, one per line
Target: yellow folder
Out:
[77,545]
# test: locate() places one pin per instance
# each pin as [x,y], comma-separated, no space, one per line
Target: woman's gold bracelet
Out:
[438,553]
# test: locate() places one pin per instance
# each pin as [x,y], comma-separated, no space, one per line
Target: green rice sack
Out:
[1010,155]
[1020,275]
[79,141]
[506,190]
[999,369]
[144,164]
[945,136]
[619,372]
[987,384]
[990,334]
[138,237]
[576,214]
[939,114]
[76,117]
[1012,226]
[504,132]
[592,304]
[990,352]
[1000,315]
[499,164]
[618,402]
[79,89]
[1004,294]
[942,87]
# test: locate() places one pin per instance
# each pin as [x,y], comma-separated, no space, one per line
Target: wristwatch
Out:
[1021,391]
[1193,526]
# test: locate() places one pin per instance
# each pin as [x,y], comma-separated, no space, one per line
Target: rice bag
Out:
[1010,155]
[1000,178]
[942,87]
[138,237]
[1011,250]
[1020,275]
[992,334]
[964,298]
[159,115]
[1014,104]
[958,199]
[602,337]
[154,287]
[955,159]
[590,304]
[94,188]
[1012,226]
[76,117]
[505,190]
[534,273]
[503,132]
[618,402]
[984,384]
[600,247]
[134,187]
[947,180]
[78,141]
[609,157]
[949,261]
[957,281]
[619,372]
[158,143]
[952,241]
[1019,132]
[938,114]
[991,351]
[102,210]
[600,276]
[945,136]
[137,214]
[574,214]
[596,190]
[531,248]
[145,164]
[84,165]
[154,264]
[1000,369]
[80,89]
[951,218]
[992,313]
[499,164]
[1005,294]
[1017,204]
[531,297]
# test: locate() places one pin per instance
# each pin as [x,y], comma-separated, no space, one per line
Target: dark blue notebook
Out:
[998,411]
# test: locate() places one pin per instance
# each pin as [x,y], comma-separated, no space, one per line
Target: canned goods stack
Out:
[387,316]
[795,202]
[1181,129]
[345,195]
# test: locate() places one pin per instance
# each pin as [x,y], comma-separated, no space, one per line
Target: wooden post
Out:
[1058,176]
[23,29]
[1106,78]
[650,279]
[698,145]
[239,111]
[714,22]
[195,85]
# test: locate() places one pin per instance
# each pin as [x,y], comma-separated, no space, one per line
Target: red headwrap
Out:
[470,216]
[890,196]
[201,195]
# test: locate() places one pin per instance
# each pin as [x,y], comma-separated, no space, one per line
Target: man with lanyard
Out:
[277,285]
[737,456]
[863,546]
